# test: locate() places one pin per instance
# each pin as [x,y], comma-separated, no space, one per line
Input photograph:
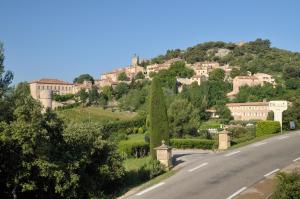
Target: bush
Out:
[192,143]
[62,98]
[134,148]
[68,106]
[267,127]
[288,185]
[150,170]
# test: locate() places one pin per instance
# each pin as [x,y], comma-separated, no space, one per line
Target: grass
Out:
[132,165]
[94,114]
[212,123]
[136,137]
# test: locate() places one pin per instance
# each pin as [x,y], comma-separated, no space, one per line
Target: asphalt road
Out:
[223,175]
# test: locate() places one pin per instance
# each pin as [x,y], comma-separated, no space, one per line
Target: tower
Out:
[46,99]
[134,60]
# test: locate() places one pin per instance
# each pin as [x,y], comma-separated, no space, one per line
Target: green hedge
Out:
[193,143]
[134,148]
[115,126]
[267,127]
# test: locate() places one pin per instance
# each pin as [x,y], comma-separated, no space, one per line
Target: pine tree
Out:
[159,126]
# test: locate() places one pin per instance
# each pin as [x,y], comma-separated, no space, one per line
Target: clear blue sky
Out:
[65,38]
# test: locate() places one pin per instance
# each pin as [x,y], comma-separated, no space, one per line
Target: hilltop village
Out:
[43,89]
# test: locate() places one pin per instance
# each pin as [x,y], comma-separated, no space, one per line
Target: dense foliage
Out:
[192,143]
[159,125]
[80,79]
[41,157]
[267,127]
[134,148]
[288,185]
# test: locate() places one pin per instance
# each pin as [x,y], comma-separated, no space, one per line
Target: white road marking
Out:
[232,153]
[282,137]
[198,167]
[237,192]
[259,144]
[296,159]
[150,189]
[271,172]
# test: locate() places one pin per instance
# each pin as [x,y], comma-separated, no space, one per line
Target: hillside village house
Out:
[249,110]
[111,78]
[188,81]
[251,80]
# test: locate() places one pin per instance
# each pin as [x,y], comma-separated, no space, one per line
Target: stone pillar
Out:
[278,107]
[224,140]
[164,155]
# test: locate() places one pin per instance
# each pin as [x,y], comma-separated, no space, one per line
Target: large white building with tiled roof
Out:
[249,110]
[43,89]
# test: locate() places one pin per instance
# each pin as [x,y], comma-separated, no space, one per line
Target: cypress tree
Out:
[159,126]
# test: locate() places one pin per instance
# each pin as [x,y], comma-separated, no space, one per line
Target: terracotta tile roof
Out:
[249,104]
[51,81]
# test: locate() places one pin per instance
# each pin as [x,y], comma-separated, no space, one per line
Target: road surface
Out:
[224,175]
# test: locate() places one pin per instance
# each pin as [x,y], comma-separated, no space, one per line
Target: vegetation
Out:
[122,76]
[193,143]
[93,114]
[288,185]
[62,98]
[134,148]
[80,79]
[267,127]
[41,157]
[159,126]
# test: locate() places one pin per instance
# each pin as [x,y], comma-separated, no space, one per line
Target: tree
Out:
[217,75]
[120,90]
[183,118]
[80,79]
[108,91]
[93,96]
[224,112]
[5,77]
[140,75]
[122,76]
[83,96]
[159,125]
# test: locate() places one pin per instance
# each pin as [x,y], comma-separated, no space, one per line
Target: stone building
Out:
[188,81]
[249,110]
[111,78]
[158,67]
[251,80]
[43,89]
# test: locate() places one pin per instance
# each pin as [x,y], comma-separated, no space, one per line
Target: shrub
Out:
[150,169]
[134,148]
[193,143]
[267,127]
[288,185]
[62,98]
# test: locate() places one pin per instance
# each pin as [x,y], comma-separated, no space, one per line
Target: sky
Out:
[65,38]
